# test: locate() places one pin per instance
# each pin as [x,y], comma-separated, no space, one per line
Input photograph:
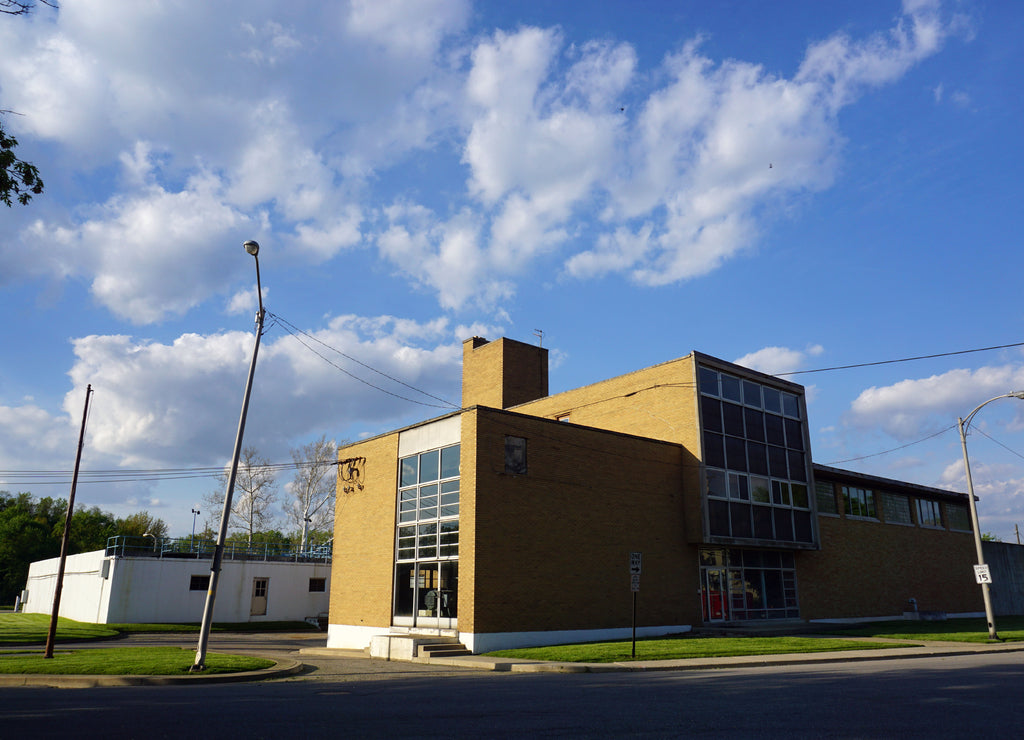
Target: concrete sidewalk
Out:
[920,650]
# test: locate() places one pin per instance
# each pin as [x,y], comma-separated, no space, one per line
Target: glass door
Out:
[714,594]
[426,594]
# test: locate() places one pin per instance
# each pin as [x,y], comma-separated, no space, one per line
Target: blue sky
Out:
[791,185]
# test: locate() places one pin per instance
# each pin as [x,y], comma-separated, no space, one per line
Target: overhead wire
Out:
[294,331]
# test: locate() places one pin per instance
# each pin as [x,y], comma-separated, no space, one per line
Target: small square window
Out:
[199,583]
[515,455]
[317,585]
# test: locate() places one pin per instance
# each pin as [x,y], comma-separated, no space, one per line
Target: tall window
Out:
[427,537]
[895,508]
[928,513]
[755,459]
[859,502]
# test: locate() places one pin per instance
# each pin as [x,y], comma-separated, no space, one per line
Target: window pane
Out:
[429,465]
[790,405]
[777,462]
[757,456]
[799,492]
[759,490]
[772,400]
[763,522]
[751,394]
[711,413]
[708,380]
[731,388]
[794,434]
[732,416]
[738,487]
[826,497]
[802,526]
[797,466]
[718,516]
[450,461]
[735,454]
[739,515]
[716,483]
[714,449]
[783,524]
[774,430]
[409,469]
[755,424]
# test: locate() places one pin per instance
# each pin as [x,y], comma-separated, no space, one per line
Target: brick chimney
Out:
[502,373]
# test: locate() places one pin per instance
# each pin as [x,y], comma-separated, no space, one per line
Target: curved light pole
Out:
[218,551]
[964,423]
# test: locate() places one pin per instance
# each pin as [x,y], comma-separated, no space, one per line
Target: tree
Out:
[255,492]
[140,524]
[313,488]
[17,177]
[989,537]
[26,535]
[90,529]
[23,7]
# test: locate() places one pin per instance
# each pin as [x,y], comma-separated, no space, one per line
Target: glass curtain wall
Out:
[756,462]
[427,539]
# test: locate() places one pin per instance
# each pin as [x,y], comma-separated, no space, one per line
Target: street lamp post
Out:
[218,551]
[192,542]
[964,423]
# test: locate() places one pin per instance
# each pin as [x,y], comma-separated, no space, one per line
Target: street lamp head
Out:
[1018,394]
[252,247]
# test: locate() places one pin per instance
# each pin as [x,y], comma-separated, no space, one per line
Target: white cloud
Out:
[156,402]
[407,28]
[288,117]
[915,407]
[776,360]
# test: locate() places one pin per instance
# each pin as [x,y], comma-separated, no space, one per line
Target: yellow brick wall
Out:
[551,548]
[502,373]
[659,402]
[869,569]
[364,538]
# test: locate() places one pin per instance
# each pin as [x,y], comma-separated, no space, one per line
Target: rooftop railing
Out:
[127,546]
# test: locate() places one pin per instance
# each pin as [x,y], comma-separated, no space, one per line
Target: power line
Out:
[294,331]
[60,477]
[894,449]
[904,359]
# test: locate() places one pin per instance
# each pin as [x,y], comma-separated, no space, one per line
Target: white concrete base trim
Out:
[352,637]
[485,642]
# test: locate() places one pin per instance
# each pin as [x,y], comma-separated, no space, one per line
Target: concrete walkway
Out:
[920,650]
[289,666]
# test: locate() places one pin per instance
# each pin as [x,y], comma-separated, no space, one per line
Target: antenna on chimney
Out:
[539,333]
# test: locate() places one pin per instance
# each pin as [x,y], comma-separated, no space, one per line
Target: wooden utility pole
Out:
[67,533]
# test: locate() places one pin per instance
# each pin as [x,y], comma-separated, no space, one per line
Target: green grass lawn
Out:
[1009,629]
[27,629]
[127,661]
[678,648]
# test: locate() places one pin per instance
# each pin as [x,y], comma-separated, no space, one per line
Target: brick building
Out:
[511,522]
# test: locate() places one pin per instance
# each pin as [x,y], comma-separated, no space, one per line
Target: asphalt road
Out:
[976,696]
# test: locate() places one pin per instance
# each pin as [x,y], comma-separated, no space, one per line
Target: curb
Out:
[282,668]
[740,661]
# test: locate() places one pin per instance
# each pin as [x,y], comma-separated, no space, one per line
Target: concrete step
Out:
[442,650]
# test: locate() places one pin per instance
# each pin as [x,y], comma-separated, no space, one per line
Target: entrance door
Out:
[426,594]
[714,594]
[260,586]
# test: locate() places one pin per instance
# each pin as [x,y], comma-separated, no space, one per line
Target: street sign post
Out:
[982,574]
[635,567]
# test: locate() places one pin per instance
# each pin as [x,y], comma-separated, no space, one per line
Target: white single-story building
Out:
[132,585]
